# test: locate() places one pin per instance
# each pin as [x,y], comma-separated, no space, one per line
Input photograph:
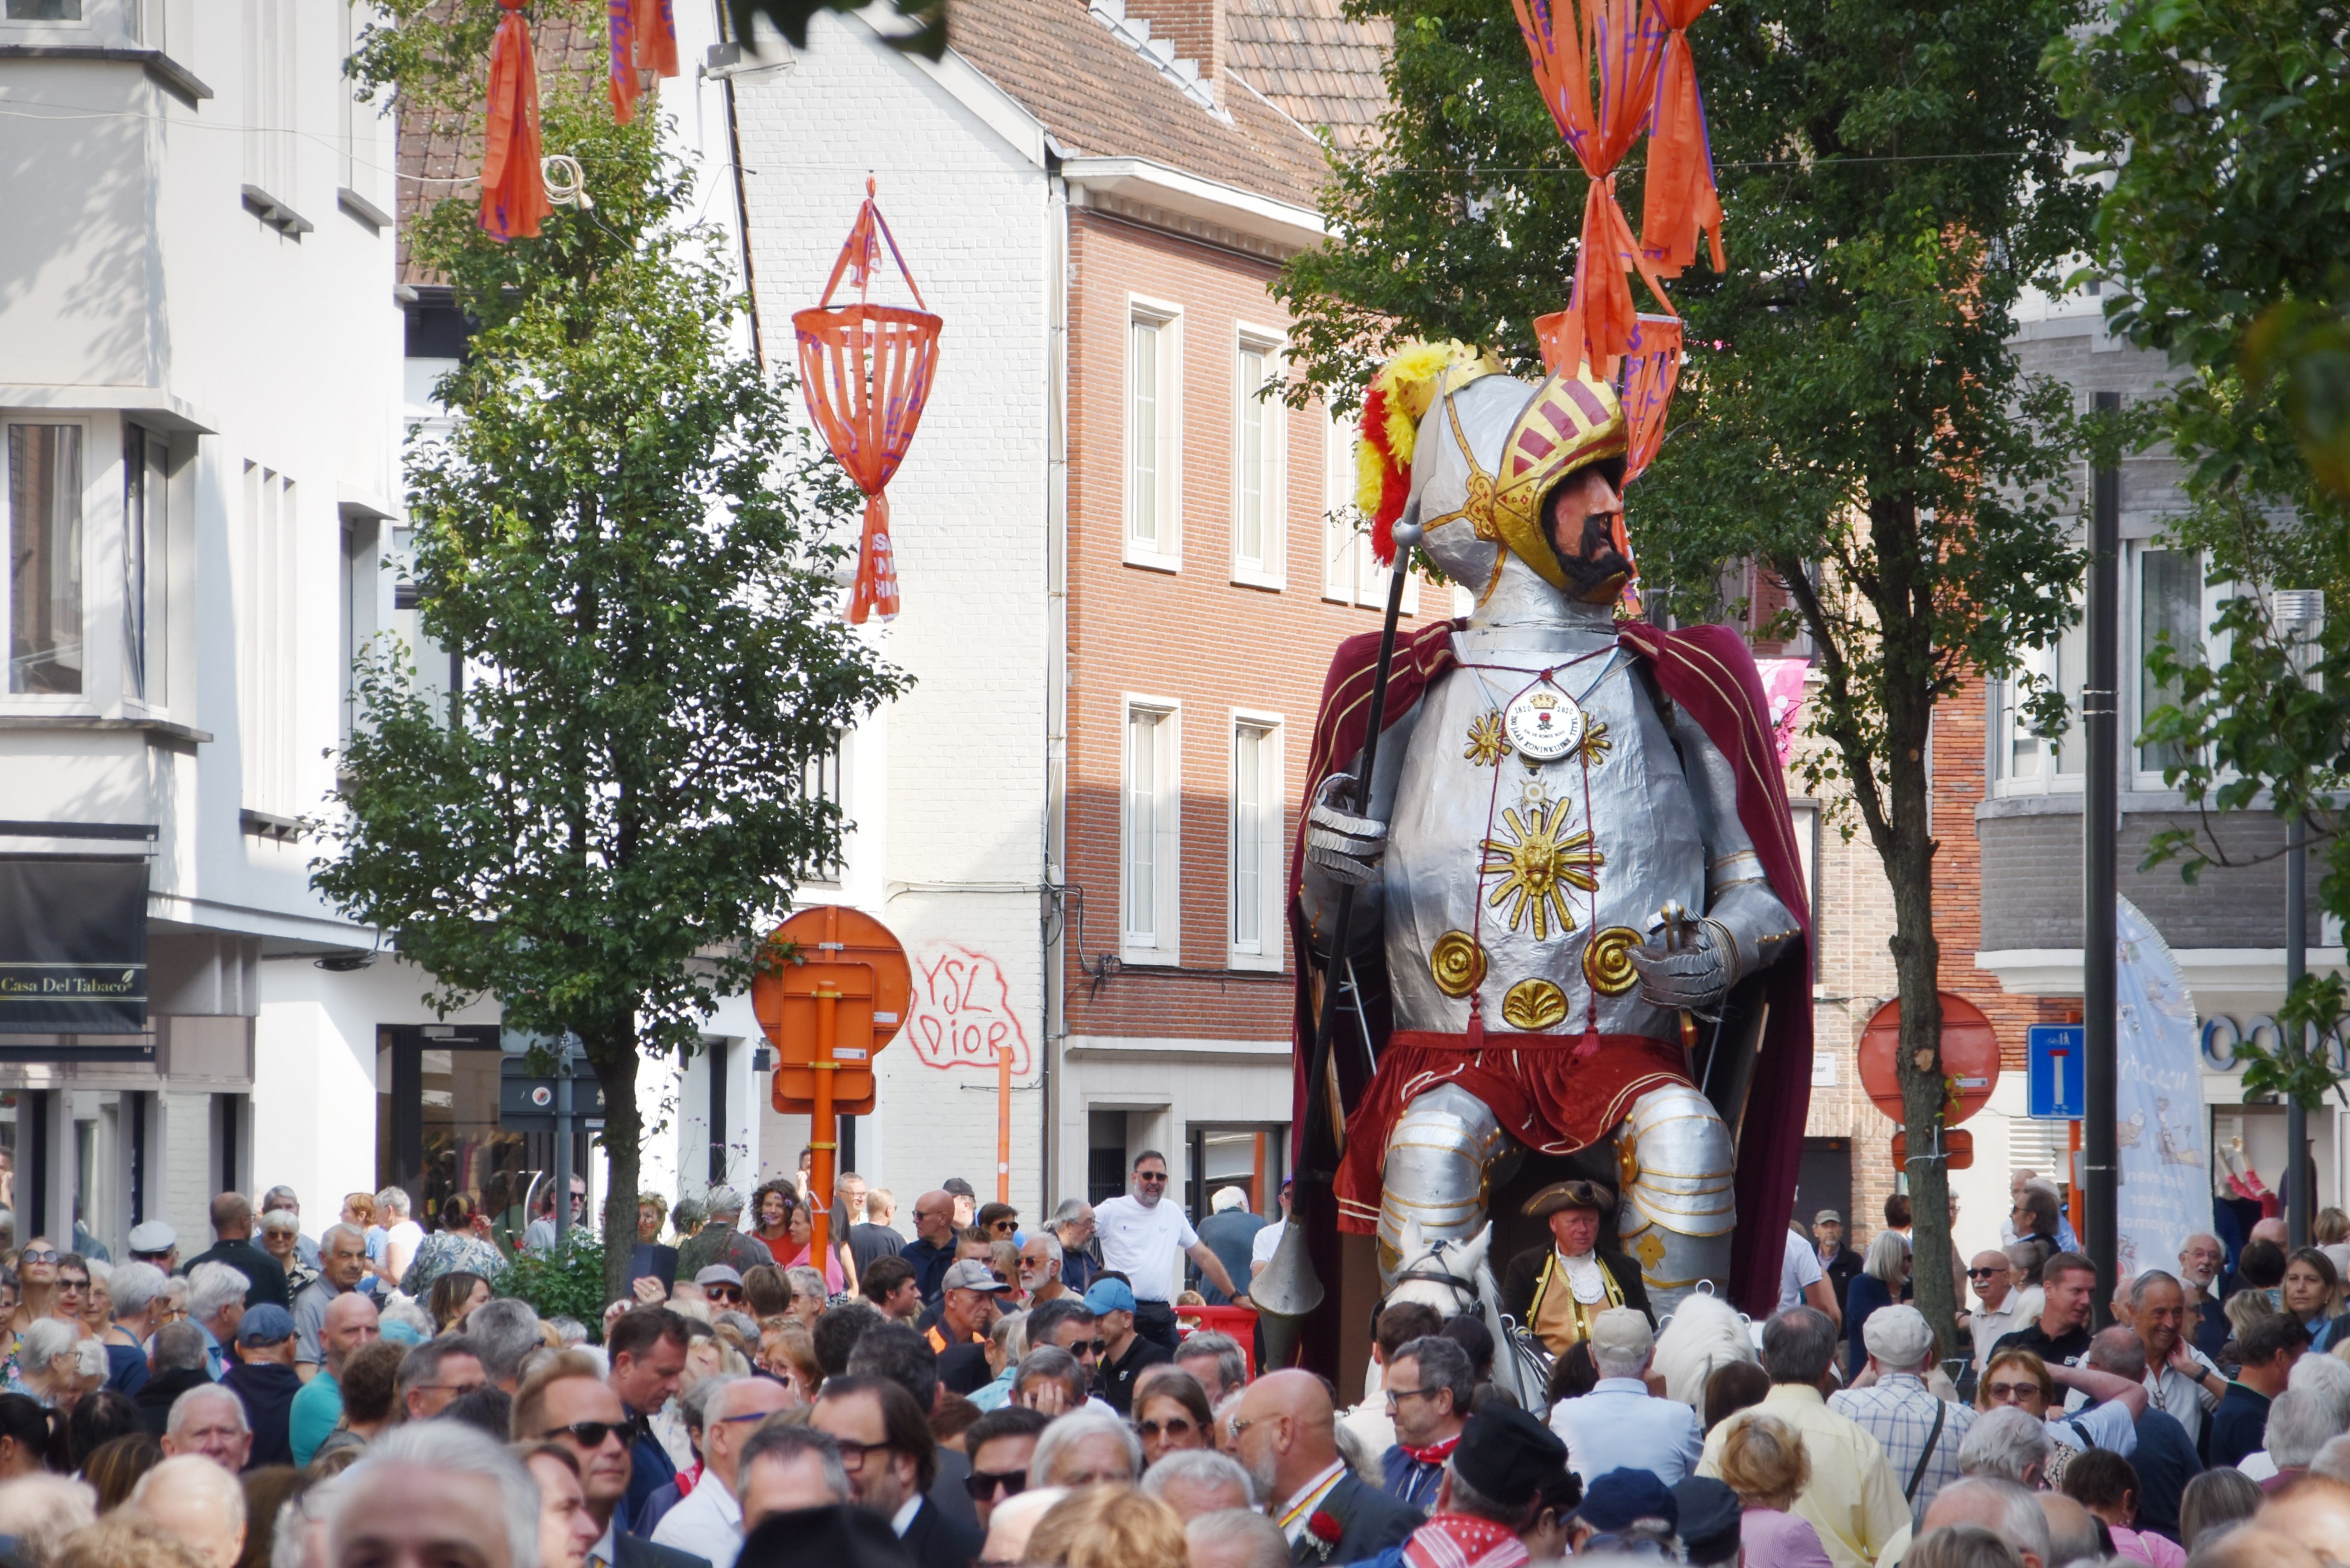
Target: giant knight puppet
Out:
[1579,924]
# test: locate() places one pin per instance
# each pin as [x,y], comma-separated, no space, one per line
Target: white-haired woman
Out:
[1883,1281]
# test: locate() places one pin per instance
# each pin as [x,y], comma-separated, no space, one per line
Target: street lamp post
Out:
[2296,612]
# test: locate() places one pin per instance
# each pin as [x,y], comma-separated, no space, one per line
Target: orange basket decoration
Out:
[643,35]
[1681,200]
[866,372]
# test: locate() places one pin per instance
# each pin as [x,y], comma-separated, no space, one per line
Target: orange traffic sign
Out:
[1970,1057]
[1957,1150]
[858,962]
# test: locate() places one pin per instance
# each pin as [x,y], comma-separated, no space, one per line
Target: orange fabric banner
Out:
[1680,200]
[656,31]
[1616,44]
[513,194]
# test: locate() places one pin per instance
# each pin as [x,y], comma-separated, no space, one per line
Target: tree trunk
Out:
[613,1053]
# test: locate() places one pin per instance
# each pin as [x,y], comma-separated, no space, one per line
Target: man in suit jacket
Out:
[565,1401]
[1288,1443]
[877,1417]
[1555,1292]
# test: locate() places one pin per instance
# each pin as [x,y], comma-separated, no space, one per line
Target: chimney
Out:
[1197,29]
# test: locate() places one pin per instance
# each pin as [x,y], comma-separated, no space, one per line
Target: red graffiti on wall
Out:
[963,1014]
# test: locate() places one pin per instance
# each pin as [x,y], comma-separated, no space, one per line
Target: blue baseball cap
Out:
[267,1324]
[1109,1297]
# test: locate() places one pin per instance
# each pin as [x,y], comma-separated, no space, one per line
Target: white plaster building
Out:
[199,348]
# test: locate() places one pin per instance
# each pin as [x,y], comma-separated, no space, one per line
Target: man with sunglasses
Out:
[1125,1352]
[721,1286]
[1999,1315]
[1000,1444]
[1141,1237]
[709,1522]
[566,1402]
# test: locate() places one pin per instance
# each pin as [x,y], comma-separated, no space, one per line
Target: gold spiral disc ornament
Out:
[1457,963]
[1607,960]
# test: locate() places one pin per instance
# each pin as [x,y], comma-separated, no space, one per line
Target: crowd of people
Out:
[981,1393]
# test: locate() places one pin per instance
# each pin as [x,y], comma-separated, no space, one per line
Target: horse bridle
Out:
[1465,1289]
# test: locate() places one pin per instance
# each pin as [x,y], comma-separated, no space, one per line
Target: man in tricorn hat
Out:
[1557,1290]
[1577,911]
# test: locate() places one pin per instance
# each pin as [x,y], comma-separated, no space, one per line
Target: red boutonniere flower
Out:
[1324,1527]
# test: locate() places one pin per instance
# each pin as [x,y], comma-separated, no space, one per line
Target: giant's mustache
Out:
[1597,565]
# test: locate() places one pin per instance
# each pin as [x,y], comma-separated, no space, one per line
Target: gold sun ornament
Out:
[1538,863]
[1595,744]
[1487,744]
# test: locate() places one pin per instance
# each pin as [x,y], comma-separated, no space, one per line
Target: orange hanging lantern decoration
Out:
[514,193]
[1616,43]
[1681,201]
[867,371]
[643,35]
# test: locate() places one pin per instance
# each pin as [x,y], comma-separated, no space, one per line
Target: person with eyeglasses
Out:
[1999,1312]
[1430,1382]
[433,1373]
[1124,1352]
[565,1401]
[1144,1238]
[1171,1413]
[999,1445]
[709,1522]
[891,1459]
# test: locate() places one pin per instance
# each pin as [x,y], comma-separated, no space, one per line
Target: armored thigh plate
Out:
[1674,1160]
[1437,1160]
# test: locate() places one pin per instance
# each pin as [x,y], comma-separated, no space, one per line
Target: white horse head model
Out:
[1452,1276]
[1703,1333]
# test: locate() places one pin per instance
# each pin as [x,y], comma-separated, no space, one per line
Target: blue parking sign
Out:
[2052,1071]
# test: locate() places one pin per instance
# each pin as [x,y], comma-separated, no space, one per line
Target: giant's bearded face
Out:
[1584,518]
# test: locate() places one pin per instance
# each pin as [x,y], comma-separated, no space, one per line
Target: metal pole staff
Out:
[1318,1136]
[2100,831]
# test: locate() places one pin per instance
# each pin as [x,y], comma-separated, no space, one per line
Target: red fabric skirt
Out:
[1547,1095]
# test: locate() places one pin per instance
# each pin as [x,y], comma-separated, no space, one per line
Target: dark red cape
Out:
[1710,674]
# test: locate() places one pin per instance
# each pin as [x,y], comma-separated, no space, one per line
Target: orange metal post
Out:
[1256,1180]
[1004,1123]
[2072,1180]
[821,1131]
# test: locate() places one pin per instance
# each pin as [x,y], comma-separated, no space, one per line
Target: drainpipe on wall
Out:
[1056,653]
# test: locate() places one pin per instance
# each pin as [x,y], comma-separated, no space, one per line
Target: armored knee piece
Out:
[1674,1158]
[1437,1161]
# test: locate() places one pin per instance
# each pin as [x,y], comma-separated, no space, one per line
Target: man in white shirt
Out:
[2180,1380]
[2000,1313]
[1802,1281]
[709,1523]
[1142,1237]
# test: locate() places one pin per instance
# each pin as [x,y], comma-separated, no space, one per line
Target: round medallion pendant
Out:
[1544,725]
[1533,1005]
[1456,963]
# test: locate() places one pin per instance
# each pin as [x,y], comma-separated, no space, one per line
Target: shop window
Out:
[1351,574]
[44,559]
[266,616]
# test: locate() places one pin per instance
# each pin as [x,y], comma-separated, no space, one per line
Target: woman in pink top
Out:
[2103,1482]
[1763,1461]
[801,1222]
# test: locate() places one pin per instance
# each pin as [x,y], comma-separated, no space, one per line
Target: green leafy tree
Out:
[625,538]
[2225,128]
[1851,416]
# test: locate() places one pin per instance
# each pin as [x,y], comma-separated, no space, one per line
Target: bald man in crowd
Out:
[1288,1444]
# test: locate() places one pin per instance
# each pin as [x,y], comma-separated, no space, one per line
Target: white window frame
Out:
[2066,661]
[27,29]
[1269,567]
[1270,844]
[149,665]
[2135,646]
[100,673]
[268,610]
[1165,551]
[1163,943]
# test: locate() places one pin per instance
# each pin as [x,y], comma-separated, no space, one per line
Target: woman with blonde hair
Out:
[1109,1527]
[1763,1461]
[787,1351]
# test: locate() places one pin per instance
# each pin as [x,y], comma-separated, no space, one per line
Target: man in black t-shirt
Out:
[1124,1352]
[2061,1336]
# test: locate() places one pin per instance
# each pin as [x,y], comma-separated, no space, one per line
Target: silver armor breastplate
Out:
[1521,882]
